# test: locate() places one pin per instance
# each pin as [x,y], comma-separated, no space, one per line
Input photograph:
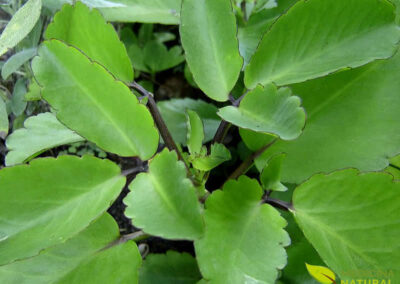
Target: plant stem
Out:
[394,166]
[278,203]
[246,164]
[136,236]
[162,127]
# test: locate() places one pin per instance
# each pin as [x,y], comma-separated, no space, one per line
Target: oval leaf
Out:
[40,133]
[195,132]
[163,202]
[357,215]
[50,200]
[268,110]
[16,61]
[86,30]
[235,216]
[90,101]
[324,36]
[208,33]
[321,274]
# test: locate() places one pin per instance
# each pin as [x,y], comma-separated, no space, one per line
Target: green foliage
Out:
[171,195]
[43,132]
[358,216]
[303,88]
[20,25]
[208,34]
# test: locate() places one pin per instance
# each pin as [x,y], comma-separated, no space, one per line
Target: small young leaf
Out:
[4,124]
[219,154]
[169,268]
[47,191]
[18,103]
[80,259]
[325,36]
[357,215]
[271,175]
[158,58]
[16,61]
[34,92]
[195,132]
[163,202]
[86,30]
[20,25]
[322,274]
[41,132]
[252,236]
[174,113]
[208,34]
[268,110]
[95,105]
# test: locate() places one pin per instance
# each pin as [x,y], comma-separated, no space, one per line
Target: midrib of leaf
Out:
[259,119]
[65,205]
[317,224]
[93,99]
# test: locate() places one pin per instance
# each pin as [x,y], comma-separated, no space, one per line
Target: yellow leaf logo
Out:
[321,274]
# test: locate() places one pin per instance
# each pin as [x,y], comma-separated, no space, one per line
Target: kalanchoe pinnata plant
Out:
[312,89]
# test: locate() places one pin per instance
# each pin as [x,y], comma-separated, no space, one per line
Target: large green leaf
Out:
[352,219]
[16,61]
[208,33]
[352,121]
[268,110]
[20,25]
[244,240]
[80,259]
[174,113]
[86,29]
[144,11]
[50,200]
[90,101]
[163,202]
[41,132]
[169,268]
[316,37]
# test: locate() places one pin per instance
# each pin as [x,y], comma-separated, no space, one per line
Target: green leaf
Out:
[4,124]
[208,34]
[41,132]
[219,154]
[169,268]
[16,61]
[352,121]
[20,25]
[80,259]
[50,200]
[271,175]
[95,105]
[268,110]
[394,167]
[163,202]
[87,30]
[252,235]
[174,113]
[195,132]
[34,92]
[357,215]
[324,36]
[158,58]
[18,103]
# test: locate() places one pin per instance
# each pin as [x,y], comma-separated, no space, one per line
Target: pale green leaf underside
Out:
[50,200]
[352,219]
[169,268]
[4,124]
[86,30]
[268,110]
[20,25]
[91,102]
[40,133]
[174,113]
[208,33]
[79,260]
[315,38]
[16,61]
[195,132]
[219,154]
[163,201]
[352,121]
[252,235]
